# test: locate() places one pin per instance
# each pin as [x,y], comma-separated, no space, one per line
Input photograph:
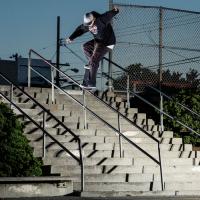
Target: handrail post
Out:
[11,94]
[82,167]
[128,91]
[120,140]
[161,174]
[44,134]
[102,70]
[52,85]
[84,110]
[29,69]
[161,113]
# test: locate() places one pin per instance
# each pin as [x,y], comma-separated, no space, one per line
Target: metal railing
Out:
[150,104]
[127,80]
[42,128]
[85,108]
[170,98]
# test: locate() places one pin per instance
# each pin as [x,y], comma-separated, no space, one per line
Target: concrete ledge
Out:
[35,186]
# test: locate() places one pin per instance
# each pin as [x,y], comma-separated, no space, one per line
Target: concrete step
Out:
[139,177]
[175,169]
[89,161]
[106,139]
[104,187]
[128,169]
[114,120]
[121,161]
[134,133]
[138,186]
[66,117]
[124,127]
[116,153]
[113,146]
[70,125]
[179,185]
[137,195]
[100,169]
[98,132]
[113,178]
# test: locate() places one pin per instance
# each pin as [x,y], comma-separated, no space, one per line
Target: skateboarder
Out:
[104,40]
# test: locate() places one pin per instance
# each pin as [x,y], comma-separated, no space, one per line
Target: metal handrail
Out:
[162,112]
[157,90]
[170,98]
[94,114]
[80,159]
[153,88]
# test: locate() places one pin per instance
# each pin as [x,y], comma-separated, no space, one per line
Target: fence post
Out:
[128,91]
[29,70]
[160,64]
[110,83]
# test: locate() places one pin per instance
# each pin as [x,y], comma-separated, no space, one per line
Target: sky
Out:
[31,24]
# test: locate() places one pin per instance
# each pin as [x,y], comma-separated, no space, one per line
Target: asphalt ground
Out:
[106,198]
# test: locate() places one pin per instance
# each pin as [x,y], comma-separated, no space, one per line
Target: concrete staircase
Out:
[106,173]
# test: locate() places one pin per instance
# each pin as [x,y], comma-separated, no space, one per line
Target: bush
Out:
[190,98]
[16,156]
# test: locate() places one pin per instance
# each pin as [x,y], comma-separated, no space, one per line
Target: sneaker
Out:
[87,87]
[86,66]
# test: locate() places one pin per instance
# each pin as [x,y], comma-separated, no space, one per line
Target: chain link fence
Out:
[158,46]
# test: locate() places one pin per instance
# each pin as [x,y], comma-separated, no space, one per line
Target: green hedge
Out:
[16,156]
[190,98]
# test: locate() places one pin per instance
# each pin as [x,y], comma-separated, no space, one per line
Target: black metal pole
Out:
[58,51]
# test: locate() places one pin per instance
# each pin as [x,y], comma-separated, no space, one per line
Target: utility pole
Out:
[58,51]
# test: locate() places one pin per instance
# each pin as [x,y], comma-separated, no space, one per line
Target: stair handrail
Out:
[161,111]
[153,88]
[170,98]
[80,159]
[93,113]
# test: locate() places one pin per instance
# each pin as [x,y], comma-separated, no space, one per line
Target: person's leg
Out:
[88,49]
[99,52]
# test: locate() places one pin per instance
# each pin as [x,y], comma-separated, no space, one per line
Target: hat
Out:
[88,19]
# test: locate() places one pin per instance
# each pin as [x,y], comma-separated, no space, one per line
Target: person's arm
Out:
[80,30]
[107,16]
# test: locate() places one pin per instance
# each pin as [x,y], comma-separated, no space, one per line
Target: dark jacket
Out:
[101,30]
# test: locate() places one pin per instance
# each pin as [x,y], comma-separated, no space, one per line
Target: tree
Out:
[190,98]
[16,156]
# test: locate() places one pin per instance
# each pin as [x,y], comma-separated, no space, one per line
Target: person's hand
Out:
[115,8]
[68,41]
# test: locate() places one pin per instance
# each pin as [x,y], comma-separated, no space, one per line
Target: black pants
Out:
[94,52]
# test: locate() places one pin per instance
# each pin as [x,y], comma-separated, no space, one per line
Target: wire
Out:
[149,23]
[164,20]
[175,63]
[53,56]
[155,28]
[73,52]
[44,48]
